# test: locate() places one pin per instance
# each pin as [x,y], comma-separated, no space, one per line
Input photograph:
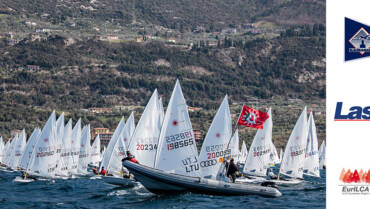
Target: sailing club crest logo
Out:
[250,117]
[357,40]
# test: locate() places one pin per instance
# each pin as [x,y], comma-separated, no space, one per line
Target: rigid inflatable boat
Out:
[161,182]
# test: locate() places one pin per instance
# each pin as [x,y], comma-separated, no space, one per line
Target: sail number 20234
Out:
[179,140]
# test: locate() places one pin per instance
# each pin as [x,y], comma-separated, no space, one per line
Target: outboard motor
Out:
[269,184]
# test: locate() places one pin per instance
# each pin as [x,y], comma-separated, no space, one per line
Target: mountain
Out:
[177,14]
[277,56]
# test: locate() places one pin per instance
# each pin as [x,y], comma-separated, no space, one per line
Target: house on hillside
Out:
[98,110]
[33,67]
[100,131]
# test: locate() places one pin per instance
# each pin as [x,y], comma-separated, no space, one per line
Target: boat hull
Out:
[250,179]
[119,181]
[160,182]
[286,182]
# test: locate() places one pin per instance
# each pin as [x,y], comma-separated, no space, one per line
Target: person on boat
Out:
[130,157]
[103,171]
[231,170]
[24,175]
[95,171]
[270,174]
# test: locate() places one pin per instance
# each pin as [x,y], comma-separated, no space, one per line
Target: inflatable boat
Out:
[161,182]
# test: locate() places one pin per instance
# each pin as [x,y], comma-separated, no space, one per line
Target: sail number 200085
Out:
[179,140]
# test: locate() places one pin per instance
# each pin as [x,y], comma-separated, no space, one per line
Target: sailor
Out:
[231,170]
[270,174]
[103,172]
[24,175]
[95,170]
[130,157]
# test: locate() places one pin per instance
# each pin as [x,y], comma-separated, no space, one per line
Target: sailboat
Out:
[43,159]
[281,154]
[5,151]
[2,148]
[176,167]
[108,151]
[311,163]
[144,142]
[114,165]
[243,156]
[19,146]
[322,158]
[84,155]
[177,151]
[25,159]
[9,152]
[294,155]
[234,146]
[259,156]
[95,156]
[59,137]
[66,157]
[75,148]
[216,144]
[274,157]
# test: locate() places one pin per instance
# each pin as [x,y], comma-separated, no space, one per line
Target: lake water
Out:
[95,193]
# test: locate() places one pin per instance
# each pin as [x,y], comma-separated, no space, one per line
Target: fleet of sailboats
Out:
[164,141]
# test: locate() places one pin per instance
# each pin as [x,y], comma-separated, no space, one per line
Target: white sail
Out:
[161,109]
[119,151]
[311,163]
[27,154]
[215,145]
[5,151]
[84,156]
[177,151]
[274,157]
[259,158]
[102,152]
[59,137]
[10,151]
[322,158]
[18,150]
[144,141]
[43,160]
[66,158]
[95,157]
[75,147]
[2,148]
[108,153]
[243,155]
[294,156]
[281,154]
[234,146]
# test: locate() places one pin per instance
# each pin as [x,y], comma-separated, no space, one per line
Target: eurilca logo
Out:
[357,40]
[355,113]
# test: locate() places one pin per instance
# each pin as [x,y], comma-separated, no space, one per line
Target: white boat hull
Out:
[250,179]
[285,182]
[161,182]
[119,181]
[19,179]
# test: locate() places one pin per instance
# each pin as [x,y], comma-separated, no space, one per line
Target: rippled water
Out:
[94,193]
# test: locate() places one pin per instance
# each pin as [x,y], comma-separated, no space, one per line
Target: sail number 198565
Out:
[179,140]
